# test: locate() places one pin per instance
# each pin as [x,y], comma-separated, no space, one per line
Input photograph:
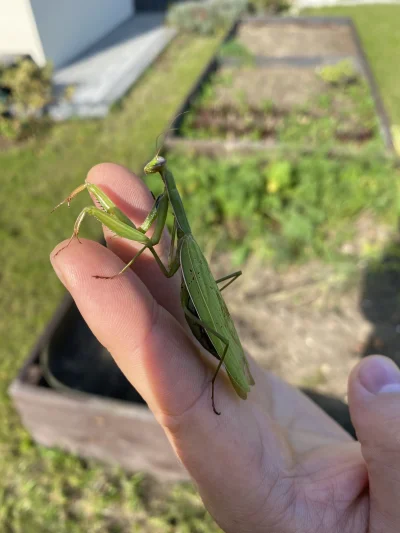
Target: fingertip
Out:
[374,375]
[56,263]
[101,171]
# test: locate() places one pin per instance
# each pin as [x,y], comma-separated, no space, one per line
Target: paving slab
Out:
[103,74]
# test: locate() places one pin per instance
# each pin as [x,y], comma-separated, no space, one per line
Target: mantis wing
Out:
[212,311]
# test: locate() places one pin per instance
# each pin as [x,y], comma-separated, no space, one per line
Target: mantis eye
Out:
[160,161]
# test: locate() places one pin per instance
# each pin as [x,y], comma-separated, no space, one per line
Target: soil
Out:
[285,87]
[311,324]
[295,40]
[264,103]
[304,324]
[6,144]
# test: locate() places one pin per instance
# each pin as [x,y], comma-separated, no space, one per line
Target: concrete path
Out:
[108,69]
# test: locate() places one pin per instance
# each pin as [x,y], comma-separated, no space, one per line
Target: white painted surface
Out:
[104,74]
[18,33]
[67,28]
[300,4]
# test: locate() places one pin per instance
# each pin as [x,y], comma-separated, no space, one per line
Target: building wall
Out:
[18,33]
[67,28]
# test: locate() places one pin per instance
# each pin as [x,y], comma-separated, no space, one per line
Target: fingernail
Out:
[379,375]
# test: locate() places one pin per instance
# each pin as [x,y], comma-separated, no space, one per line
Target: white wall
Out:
[18,34]
[68,27]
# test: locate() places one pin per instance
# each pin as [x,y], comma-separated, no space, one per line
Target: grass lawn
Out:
[378,27]
[45,490]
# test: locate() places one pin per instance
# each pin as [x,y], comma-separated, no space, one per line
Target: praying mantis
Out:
[205,310]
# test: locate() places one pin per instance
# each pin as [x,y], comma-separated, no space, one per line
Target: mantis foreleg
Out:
[172,245]
[114,219]
[148,221]
[158,215]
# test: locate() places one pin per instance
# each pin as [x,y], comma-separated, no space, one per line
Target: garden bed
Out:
[296,37]
[290,83]
[282,105]
[101,415]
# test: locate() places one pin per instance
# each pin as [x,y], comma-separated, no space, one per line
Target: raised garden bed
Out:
[105,418]
[301,84]
[299,37]
[282,105]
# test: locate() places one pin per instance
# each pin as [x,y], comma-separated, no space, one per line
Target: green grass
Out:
[283,209]
[378,27]
[236,50]
[43,490]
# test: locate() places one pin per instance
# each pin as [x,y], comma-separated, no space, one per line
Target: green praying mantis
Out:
[205,310]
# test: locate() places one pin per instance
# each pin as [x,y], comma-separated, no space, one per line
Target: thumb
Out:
[374,401]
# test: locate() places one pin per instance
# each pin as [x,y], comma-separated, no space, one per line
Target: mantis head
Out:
[155,165]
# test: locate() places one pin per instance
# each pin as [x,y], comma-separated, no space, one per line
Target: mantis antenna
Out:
[167,130]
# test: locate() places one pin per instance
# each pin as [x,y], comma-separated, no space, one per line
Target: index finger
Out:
[132,196]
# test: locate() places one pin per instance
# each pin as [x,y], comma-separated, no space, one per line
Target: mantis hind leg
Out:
[233,277]
[194,318]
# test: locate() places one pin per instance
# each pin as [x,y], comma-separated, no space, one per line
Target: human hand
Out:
[274,463]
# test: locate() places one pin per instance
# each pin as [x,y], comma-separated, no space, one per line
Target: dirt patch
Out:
[301,324]
[7,144]
[285,87]
[296,40]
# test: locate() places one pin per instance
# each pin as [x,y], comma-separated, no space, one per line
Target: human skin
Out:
[274,463]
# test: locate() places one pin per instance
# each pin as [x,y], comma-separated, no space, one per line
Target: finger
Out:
[374,401]
[242,448]
[130,323]
[132,196]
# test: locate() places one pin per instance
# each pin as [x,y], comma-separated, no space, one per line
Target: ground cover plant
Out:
[207,17]
[284,208]
[314,107]
[270,7]
[49,491]
[377,26]
[25,89]
[234,49]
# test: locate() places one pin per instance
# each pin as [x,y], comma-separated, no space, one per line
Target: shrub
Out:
[26,90]
[283,209]
[205,17]
[339,74]
[269,6]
